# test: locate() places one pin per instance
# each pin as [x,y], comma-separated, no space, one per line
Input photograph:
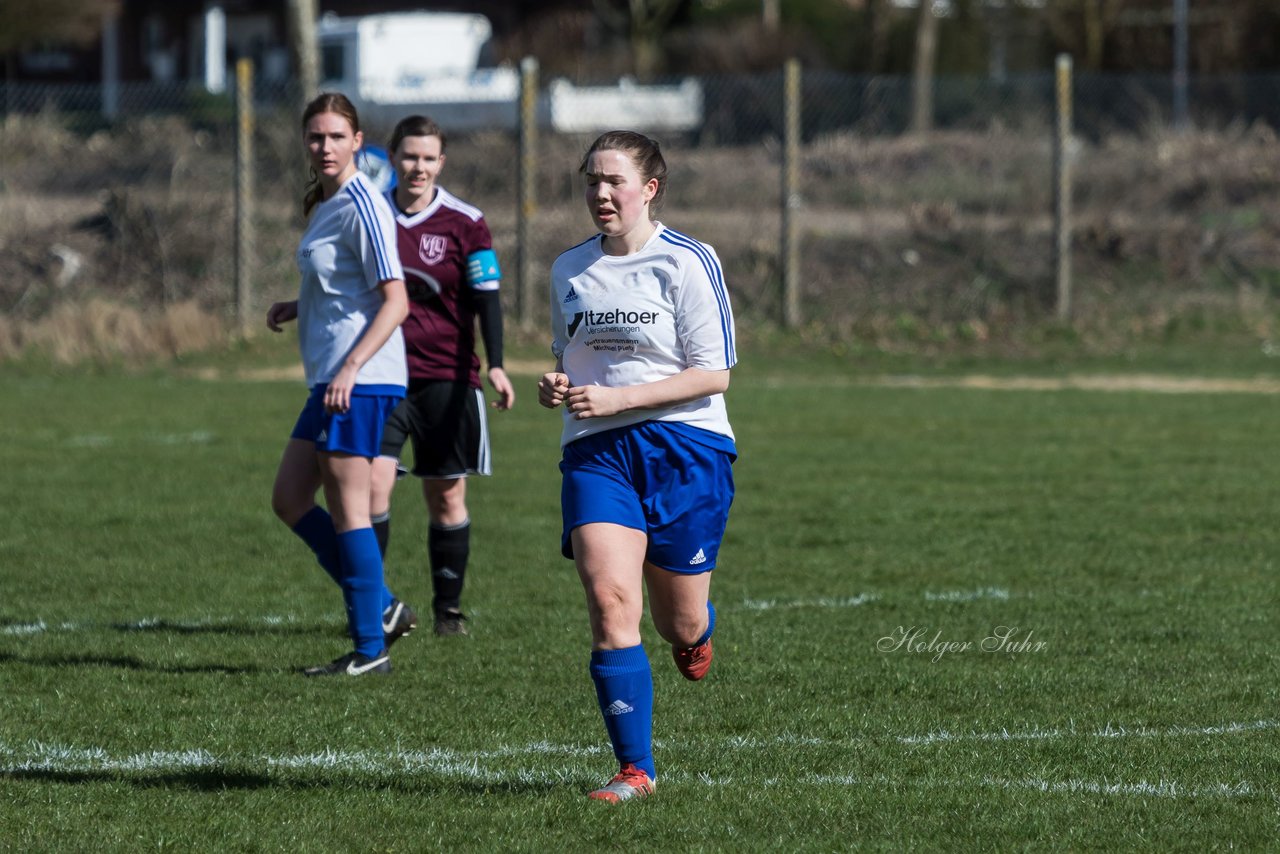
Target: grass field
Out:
[949,619]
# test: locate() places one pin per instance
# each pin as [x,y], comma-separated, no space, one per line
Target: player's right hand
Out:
[281,312]
[552,389]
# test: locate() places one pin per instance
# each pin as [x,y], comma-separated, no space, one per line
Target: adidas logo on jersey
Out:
[700,557]
[571,296]
[617,707]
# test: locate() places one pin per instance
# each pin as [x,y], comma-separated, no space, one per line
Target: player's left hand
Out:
[595,401]
[502,385]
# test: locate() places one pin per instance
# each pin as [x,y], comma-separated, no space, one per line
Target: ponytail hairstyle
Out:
[326,102]
[415,126]
[644,153]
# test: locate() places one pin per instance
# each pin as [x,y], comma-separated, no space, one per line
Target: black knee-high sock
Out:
[382,530]
[448,549]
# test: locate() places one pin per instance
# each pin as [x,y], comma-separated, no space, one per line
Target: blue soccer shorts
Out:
[358,431]
[670,480]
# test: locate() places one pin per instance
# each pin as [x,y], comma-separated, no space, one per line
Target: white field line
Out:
[820,602]
[1142,788]
[1107,731]
[97,440]
[1149,383]
[466,765]
[36,627]
[147,623]
[967,595]
[1083,382]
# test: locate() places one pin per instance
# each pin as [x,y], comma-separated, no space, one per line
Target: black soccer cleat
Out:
[397,621]
[451,621]
[352,664]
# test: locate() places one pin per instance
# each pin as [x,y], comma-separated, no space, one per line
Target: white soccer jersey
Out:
[632,319]
[349,248]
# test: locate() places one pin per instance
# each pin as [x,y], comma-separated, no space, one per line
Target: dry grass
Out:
[907,243]
[104,332]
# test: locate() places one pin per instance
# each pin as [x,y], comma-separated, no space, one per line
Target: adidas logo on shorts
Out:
[700,557]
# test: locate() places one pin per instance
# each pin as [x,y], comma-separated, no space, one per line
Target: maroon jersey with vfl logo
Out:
[435,244]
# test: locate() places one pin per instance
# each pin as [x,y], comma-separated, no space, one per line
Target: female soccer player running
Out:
[349,310]
[452,277]
[644,339]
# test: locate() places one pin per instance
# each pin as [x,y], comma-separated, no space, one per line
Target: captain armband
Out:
[483,272]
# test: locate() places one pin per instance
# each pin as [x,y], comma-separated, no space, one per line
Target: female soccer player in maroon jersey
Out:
[452,275]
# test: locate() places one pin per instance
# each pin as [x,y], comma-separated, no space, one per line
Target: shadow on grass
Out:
[213,779]
[248,629]
[177,627]
[127,662]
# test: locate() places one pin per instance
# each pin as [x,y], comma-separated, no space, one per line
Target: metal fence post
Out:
[1180,64]
[791,197]
[110,66]
[1062,188]
[244,191]
[526,203]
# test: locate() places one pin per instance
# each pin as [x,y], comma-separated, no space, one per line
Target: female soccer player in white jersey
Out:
[349,310]
[643,338]
[452,277]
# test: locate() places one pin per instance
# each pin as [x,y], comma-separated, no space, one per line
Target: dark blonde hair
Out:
[415,126]
[644,153]
[326,102]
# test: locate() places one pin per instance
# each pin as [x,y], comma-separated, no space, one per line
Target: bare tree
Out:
[302,46]
[923,65]
[1085,24]
[770,15]
[880,13]
[644,21]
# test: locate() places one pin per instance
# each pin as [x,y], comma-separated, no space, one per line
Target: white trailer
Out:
[395,64]
[626,106]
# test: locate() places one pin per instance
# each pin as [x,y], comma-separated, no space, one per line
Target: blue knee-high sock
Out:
[711,624]
[362,588]
[317,531]
[624,689]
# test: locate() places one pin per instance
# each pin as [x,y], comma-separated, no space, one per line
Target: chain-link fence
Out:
[937,236]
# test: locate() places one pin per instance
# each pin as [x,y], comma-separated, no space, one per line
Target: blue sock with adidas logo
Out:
[624,689]
[362,588]
[316,529]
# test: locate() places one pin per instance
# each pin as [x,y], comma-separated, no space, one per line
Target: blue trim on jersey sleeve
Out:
[369,217]
[482,266]
[716,276]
